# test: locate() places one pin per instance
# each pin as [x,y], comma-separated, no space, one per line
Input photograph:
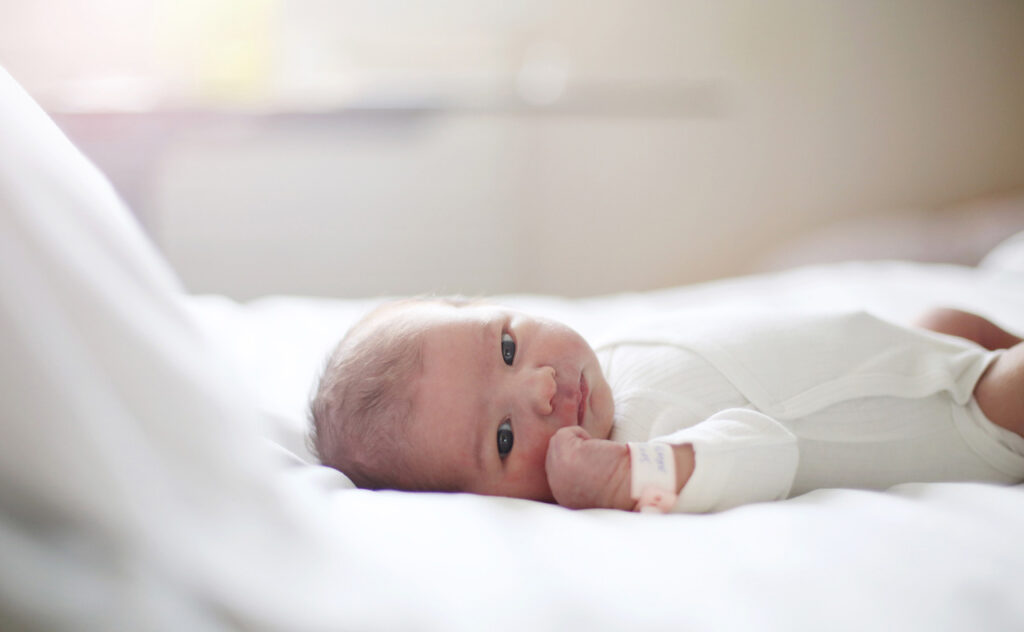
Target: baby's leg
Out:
[1000,391]
[967,325]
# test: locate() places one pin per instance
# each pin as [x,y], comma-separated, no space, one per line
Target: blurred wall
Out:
[585,147]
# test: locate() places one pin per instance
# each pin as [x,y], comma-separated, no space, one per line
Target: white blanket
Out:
[138,489]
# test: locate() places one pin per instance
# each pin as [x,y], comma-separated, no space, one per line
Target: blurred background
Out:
[343,148]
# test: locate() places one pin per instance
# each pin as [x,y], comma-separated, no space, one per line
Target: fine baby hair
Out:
[363,399]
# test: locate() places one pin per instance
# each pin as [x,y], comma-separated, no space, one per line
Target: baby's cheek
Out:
[530,463]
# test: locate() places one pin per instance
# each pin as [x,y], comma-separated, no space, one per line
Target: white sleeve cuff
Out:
[742,456]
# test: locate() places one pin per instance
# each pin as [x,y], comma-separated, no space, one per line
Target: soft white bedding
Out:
[936,556]
[152,472]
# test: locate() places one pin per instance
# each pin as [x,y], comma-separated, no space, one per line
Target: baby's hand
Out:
[585,472]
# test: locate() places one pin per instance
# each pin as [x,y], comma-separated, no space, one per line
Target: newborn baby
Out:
[679,414]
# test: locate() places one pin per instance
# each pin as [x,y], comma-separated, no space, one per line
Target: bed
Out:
[154,472]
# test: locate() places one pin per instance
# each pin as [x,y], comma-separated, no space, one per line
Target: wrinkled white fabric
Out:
[741,456]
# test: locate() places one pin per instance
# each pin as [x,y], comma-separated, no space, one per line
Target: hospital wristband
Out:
[652,482]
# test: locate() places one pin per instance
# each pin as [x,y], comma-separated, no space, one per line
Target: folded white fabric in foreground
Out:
[134,490]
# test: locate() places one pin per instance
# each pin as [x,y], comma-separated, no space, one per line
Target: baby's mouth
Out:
[581,409]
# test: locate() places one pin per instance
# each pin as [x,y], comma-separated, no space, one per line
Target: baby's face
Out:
[495,385]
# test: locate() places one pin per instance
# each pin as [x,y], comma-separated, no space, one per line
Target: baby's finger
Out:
[567,436]
[564,444]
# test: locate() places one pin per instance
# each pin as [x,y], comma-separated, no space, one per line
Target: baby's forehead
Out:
[452,342]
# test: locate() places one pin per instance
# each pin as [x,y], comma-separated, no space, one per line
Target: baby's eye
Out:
[508,348]
[505,438]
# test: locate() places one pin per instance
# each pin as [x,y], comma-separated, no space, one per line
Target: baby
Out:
[682,414]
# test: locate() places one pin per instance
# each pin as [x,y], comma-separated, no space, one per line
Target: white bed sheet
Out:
[137,493]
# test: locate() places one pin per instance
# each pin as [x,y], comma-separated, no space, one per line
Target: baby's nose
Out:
[543,389]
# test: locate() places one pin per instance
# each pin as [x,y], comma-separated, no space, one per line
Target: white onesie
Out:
[776,405]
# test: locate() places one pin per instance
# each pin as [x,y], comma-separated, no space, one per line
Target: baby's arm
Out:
[590,473]
[734,457]
[955,322]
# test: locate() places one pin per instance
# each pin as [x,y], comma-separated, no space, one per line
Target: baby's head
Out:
[453,395]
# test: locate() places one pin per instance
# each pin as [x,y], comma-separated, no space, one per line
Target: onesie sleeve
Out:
[742,456]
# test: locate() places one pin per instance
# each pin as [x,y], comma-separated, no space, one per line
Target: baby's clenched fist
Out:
[585,473]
